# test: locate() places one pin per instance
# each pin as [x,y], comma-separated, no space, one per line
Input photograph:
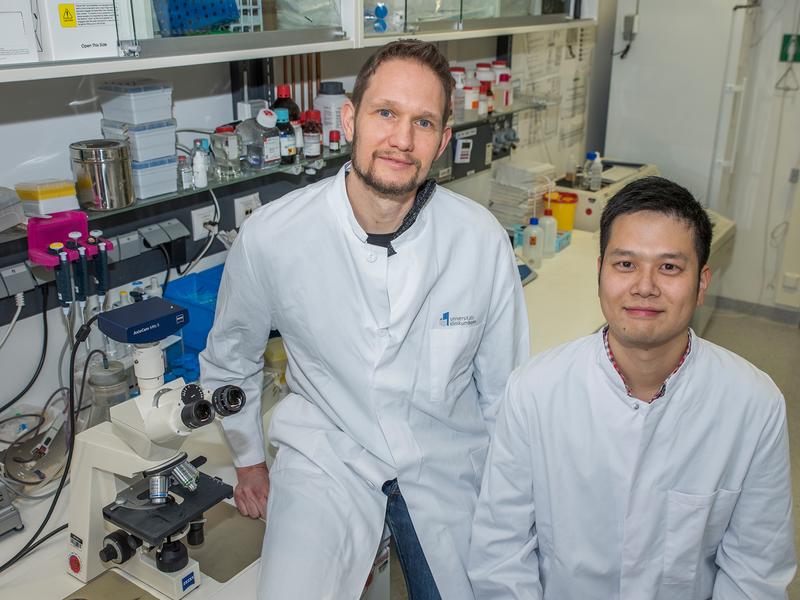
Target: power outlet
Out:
[200,216]
[244,206]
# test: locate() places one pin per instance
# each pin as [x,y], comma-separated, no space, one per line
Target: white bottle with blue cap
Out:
[533,240]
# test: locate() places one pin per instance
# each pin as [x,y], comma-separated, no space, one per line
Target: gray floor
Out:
[773,348]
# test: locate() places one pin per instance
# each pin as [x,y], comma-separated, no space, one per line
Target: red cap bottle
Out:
[284,91]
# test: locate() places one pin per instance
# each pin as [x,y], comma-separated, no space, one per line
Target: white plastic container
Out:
[533,240]
[596,173]
[154,177]
[549,227]
[147,141]
[137,101]
[329,103]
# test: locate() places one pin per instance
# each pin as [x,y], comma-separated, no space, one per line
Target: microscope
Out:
[135,495]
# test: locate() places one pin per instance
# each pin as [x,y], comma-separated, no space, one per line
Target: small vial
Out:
[185,176]
[287,139]
[333,144]
[312,134]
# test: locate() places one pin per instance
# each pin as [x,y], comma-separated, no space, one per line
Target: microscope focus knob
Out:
[117,548]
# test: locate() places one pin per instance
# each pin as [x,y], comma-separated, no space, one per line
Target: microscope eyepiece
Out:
[197,414]
[228,400]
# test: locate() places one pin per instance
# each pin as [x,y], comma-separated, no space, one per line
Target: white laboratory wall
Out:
[769,147]
[39,119]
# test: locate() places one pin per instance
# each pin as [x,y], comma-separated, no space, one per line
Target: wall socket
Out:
[200,216]
[244,206]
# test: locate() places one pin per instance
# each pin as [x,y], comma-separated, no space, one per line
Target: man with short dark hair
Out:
[401,310]
[641,462]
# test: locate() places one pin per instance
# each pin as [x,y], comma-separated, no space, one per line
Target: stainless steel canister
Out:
[102,171]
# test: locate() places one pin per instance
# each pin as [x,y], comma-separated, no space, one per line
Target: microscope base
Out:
[142,566]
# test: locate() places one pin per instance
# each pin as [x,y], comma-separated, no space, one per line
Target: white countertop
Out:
[562,305]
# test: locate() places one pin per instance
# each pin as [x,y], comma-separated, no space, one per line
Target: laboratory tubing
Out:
[284,100]
[199,165]
[549,227]
[287,139]
[596,173]
[312,134]
[533,243]
[185,176]
[333,142]
[329,103]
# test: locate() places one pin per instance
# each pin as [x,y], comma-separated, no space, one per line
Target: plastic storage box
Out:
[47,196]
[155,177]
[197,292]
[147,140]
[138,101]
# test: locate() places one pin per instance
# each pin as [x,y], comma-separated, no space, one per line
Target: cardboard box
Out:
[76,29]
[17,33]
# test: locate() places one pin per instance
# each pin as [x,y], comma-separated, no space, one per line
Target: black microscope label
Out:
[75,540]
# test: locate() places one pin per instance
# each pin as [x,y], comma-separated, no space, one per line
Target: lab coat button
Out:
[371,257]
[635,406]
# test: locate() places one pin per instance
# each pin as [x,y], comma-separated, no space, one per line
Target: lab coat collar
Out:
[617,383]
[343,208]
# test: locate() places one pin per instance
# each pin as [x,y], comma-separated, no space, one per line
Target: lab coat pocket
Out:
[695,526]
[451,352]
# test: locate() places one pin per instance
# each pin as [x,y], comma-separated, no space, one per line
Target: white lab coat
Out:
[589,494]
[382,385]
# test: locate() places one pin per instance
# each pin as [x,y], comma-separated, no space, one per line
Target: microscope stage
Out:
[154,525]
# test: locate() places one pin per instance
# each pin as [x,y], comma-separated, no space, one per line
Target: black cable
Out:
[43,355]
[196,254]
[85,371]
[45,538]
[80,337]
[168,260]
[622,53]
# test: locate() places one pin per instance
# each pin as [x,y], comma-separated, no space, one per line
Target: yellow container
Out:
[563,205]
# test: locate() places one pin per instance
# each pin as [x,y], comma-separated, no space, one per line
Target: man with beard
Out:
[641,462]
[402,314]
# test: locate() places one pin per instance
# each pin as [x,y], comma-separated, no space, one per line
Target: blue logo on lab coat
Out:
[445,320]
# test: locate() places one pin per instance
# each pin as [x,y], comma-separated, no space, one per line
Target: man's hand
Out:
[252,490]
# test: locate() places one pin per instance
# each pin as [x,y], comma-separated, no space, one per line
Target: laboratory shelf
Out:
[18,233]
[172,57]
[443,31]
[247,175]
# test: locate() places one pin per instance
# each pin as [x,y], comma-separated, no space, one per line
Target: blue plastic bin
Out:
[197,292]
